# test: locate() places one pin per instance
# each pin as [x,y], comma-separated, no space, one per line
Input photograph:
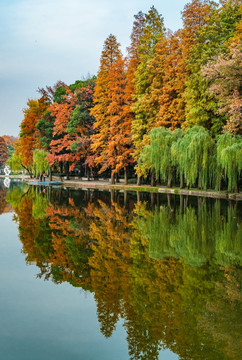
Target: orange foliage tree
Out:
[29,139]
[119,152]
[133,58]
[3,152]
[60,145]
[169,74]
[73,126]
[102,100]
[152,32]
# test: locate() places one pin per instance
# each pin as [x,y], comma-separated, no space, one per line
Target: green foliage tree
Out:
[225,75]
[14,162]
[40,163]
[194,156]
[152,32]
[158,155]
[211,38]
[229,160]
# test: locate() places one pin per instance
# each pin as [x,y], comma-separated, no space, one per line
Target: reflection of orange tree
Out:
[54,238]
[34,234]
[110,234]
[69,233]
[3,203]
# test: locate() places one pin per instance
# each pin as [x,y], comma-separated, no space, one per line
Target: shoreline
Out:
[105,184]
[155,189]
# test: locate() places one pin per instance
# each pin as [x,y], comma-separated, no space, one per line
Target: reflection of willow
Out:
[196,238]
[4,206]
[176,300]
[196,307]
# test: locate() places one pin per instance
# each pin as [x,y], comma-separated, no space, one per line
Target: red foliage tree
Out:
[3,152]
[29,133]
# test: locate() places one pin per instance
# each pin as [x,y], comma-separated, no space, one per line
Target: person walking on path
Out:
[41,177]
[44,175]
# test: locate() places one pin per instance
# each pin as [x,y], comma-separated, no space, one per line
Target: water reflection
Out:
[4,206]
[170,268]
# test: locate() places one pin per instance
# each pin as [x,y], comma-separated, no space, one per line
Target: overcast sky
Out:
[43,41]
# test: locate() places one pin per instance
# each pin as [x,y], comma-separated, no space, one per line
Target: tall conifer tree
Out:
[102,100]
[152,32]
[120,141]
[216,29]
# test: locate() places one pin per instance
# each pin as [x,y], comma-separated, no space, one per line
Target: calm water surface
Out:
[100,275]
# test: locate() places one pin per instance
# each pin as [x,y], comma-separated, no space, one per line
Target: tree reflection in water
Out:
[170,268]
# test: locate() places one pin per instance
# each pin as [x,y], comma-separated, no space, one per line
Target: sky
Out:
[43,41]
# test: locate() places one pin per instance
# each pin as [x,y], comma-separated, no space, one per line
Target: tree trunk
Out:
[88,195]
[112,195]
[158,180]
[67,171]
[112,179]
[169,200]
[152,182]
[152,199]
[158,200]
[182,181]
[125,198]
[169,179]
[88,173]
[117,178]
[181,203]
[138,196]
[50,173]
[139,180]
[125,177]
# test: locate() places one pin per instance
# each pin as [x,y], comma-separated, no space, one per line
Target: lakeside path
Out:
[105,184]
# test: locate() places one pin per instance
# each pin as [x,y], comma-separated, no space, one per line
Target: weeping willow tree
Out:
[14,162]
[194,156]
[190,154]
[160,143]
[157,156]
[40,164]
[145,164]
[229,160]
[178,155]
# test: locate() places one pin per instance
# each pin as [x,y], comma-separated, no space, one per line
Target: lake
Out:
[88,274]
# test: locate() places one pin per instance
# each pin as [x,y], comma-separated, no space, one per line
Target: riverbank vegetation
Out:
[168,112]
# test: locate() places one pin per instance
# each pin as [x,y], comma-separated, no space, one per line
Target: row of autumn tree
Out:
[171,80]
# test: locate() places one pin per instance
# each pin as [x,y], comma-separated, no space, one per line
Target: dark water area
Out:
[87,274]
